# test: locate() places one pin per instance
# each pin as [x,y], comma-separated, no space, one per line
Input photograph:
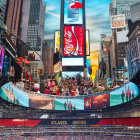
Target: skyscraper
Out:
[123,7]
[32,22]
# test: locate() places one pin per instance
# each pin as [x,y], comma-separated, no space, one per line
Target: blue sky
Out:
[97,19]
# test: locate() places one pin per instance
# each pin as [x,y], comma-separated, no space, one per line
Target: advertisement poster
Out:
[73,12]
[124,94]
[57,41]
[87,43]
[69,104]
[97,102]
[32,56]
[118,21]
[73,41]
[14,95]
[1,59]
[40,102]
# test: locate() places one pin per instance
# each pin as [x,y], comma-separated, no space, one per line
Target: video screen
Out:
[72,74]
[124,94]
[73,41]
[69,104]
[97,102]
[14,95]
[73,12]
[72,62]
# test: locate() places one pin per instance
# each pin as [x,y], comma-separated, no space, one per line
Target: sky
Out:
[97,19]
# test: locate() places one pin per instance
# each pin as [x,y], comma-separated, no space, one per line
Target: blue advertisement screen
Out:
[124,94]
[73,12]
[12,94]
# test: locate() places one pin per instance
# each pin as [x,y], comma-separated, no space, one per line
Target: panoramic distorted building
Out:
[2,7]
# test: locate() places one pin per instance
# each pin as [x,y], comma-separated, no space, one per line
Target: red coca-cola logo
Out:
[73,41]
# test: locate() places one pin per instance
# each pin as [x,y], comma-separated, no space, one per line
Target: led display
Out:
[69,104]
[124,94]
[73,12]
[97,102]
[73,41]
[72,62]
[71,74]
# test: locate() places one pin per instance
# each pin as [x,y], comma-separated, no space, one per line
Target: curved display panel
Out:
[13,94]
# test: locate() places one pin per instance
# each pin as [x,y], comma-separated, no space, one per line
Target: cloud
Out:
[53,14]
[50,8]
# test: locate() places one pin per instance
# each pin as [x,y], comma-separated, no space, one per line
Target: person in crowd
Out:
[57,91]
[67,92]
[81,90]
[74,91]
[90,90]
[47,90]
[127,96]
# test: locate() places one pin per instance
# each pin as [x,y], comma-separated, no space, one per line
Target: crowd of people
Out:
[70,87]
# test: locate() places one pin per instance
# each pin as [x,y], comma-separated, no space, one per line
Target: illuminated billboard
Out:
[1,59]
[72,61]
[97,102]
[73,41]
[124,94]
[69,104]
[33,56]
[57,41]
[87,43]
[73,12]
[72,74]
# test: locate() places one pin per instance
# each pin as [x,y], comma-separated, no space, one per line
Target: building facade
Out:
[135,12]
[133,49]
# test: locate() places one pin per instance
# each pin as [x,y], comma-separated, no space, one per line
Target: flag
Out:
[105,48]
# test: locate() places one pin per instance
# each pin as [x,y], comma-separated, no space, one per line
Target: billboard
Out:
[73,41]
[124,94]
[57,41]
[1,59]
[69,104]
[58,67]
[72,74]
[73,12]
[33,56]
[118,21]
[97,102]
[72,61]
[87,43]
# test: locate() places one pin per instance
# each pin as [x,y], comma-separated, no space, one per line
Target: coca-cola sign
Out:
[73,41]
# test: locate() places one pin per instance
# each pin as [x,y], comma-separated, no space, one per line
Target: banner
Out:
[73,41]
[118,21]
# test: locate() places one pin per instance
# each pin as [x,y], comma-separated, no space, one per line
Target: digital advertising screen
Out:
[87,43]
[69,104]
[97,102]
[57,41]
[124,94]
[72,74]
[72,62]
[73,41]
[40,102]
[73,12]
[1,59]
[88,67]
[14,95]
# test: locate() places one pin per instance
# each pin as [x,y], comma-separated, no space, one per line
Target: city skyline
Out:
[97,20]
